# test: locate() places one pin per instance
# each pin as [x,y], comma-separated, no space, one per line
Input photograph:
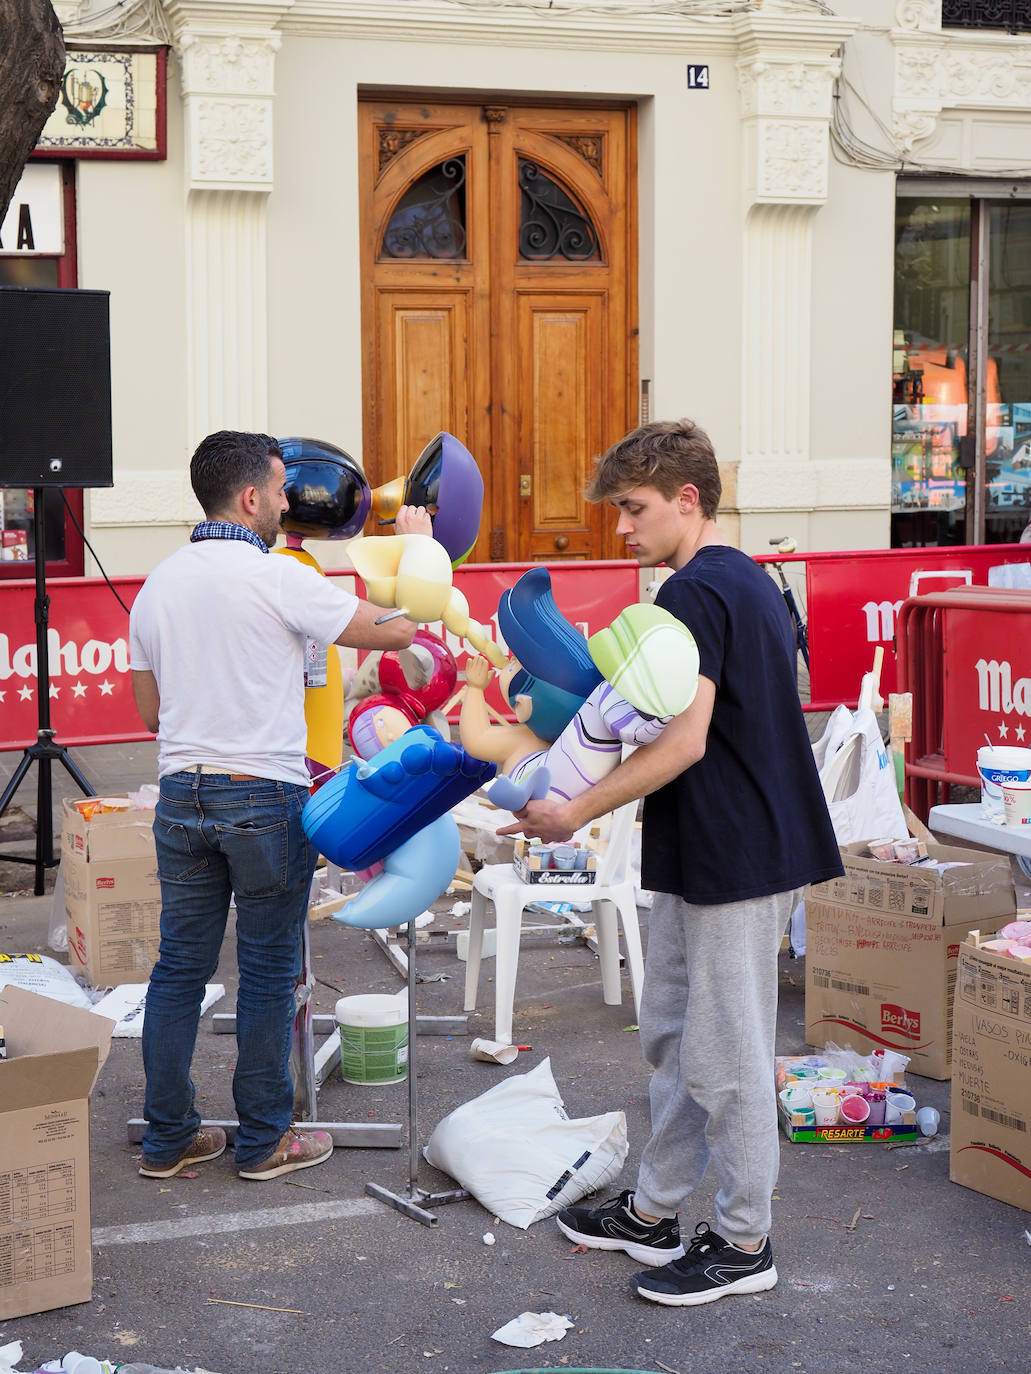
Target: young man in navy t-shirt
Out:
[735,827]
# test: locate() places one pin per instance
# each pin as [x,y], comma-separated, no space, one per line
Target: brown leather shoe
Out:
[297,1150]
[208,1143]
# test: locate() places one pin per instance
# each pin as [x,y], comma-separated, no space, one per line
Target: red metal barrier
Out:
[966,657]
[852,600]
[91,691]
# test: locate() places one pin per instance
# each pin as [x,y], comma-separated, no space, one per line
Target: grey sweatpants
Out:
[708,1021]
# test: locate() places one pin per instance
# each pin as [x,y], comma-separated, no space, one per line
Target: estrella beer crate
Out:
[882,944]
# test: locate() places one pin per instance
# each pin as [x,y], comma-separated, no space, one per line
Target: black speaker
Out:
[55,388]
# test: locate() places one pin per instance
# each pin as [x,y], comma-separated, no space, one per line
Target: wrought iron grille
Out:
[429,221]
[1013,16]
[551,225]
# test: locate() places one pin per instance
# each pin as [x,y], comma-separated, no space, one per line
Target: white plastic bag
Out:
[858,779]
[518,1153]
[39,973]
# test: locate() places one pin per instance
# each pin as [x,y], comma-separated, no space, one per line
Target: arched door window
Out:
[551,224]
[429,221]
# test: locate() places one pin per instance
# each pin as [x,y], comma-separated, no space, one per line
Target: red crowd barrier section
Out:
[966,657]
[91,698]
[852,601]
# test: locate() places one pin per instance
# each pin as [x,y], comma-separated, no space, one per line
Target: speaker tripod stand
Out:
[46,751]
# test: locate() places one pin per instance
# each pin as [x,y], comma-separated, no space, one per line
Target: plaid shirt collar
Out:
[224,529]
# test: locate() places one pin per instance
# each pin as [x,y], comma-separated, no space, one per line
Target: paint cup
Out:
[826,1097]
[798,1103]
[853,1109]
[997,765]
[563,856]
[542,853]
[804,1073]
[828,1074]
[1016,802]
[890,1063]
[876,1099]
[896,1104]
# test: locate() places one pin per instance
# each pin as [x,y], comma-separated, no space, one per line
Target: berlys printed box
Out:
[882,947]
[112,894]
[990,1134]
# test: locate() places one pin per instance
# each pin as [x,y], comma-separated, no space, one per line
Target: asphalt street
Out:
[884,1263]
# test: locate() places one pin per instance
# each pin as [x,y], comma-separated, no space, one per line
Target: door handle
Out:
[562,541]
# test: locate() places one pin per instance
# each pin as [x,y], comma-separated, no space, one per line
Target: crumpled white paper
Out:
[10,1355]
[532,1328]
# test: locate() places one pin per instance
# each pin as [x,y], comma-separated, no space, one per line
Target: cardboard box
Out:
[881,949]
[531,870]
[54,1054]
[990,1140]
[112,895]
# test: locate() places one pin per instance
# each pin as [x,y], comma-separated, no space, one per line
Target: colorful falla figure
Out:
[330,498]
[644,671]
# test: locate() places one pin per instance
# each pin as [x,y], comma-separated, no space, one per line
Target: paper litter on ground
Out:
[126,1004]
[532,1328]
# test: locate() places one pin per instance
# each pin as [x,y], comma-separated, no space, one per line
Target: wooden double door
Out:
[499,304]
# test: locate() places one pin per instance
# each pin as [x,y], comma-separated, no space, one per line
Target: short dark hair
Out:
[226,462]
[666,455]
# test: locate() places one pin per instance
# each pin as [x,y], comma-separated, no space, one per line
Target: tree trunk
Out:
[31,68]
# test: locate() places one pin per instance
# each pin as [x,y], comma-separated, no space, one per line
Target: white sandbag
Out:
[519,1154]
[858,779]
[39,973]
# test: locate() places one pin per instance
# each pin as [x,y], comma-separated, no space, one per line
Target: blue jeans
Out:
[214,838]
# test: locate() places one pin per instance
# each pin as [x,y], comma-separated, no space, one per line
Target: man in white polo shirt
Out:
[217,643]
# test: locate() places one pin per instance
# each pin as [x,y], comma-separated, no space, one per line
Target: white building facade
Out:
[790,204]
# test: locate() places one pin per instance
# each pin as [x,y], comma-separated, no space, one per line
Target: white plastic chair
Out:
[613,902]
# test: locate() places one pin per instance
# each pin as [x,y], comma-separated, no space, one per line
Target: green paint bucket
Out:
[373,1038]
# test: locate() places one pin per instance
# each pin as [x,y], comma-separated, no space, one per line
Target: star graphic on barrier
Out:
[54,691]
[79,689]
[1003,730]
[26,694]
[1019,732]
[106,688]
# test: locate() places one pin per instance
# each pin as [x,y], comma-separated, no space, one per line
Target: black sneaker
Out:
[710,1269]
[616,1226]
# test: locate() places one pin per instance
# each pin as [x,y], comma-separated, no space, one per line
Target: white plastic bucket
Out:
[1016,801]
[373,1038]
[998,764]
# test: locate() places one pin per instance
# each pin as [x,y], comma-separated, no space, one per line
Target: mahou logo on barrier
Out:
[88,658]
[900,1020]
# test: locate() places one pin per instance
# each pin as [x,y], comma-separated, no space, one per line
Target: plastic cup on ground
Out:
[854,1110]
[829,1074]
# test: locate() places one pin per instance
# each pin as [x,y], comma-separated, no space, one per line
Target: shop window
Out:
[961,424]
[1011,16]
[63,541]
